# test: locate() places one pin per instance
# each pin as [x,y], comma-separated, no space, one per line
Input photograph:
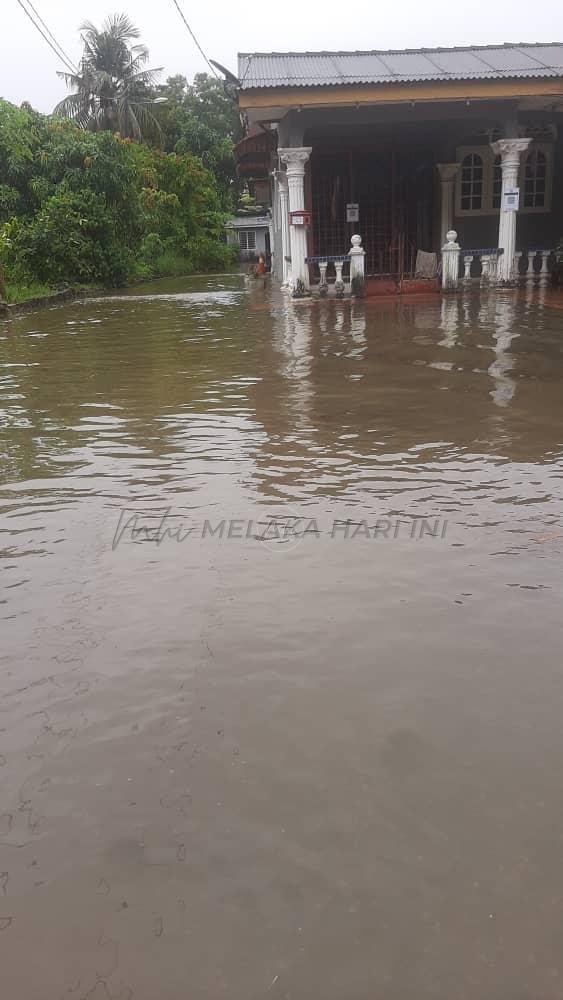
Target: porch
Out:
[476,151]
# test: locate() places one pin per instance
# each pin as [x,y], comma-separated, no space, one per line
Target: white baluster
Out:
[467,261]
[485,268]
[323,285]
[544,273]
[517,259]
[528,274]
[339,284]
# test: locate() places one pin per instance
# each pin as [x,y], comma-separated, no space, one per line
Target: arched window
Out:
[472,183]
[497,182]
[535,176]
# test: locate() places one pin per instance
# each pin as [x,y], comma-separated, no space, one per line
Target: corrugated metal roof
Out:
[321,69]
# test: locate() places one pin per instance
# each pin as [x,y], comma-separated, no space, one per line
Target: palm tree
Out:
[112,89]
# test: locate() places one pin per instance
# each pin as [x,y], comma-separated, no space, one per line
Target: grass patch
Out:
[174,265]
[21,292]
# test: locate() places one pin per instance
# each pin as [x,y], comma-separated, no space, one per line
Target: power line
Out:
[63,59]
[50,33]
[181,13]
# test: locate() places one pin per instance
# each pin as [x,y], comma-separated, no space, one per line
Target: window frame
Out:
[247,233]
[488,157]
[473,167]
[547,149]
[486,154]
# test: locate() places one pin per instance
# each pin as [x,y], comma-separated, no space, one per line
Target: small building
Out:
[252,233]
[401,148]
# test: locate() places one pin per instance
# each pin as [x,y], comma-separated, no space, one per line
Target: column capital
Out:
[448,171]
[510,150]
[295,157]
[281,180]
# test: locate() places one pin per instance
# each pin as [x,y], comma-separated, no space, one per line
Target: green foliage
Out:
[72,238]
[202,119]
[20,130]
[92,207]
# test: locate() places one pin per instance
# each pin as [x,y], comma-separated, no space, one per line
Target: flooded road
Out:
[281,684]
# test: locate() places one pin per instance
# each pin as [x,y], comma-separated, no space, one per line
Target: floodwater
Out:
[281,672]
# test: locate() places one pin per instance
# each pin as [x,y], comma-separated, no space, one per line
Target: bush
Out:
[71,239]
[91,207]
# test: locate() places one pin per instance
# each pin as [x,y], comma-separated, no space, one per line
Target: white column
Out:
[450,261]
[448,173]
[509,151]
[295,157]
[281,178]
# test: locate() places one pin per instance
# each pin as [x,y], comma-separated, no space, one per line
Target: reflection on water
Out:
[241,769]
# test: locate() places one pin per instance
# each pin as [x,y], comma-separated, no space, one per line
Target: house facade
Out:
[251,233]
[402,148]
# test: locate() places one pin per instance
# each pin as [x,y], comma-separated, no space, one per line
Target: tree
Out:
[112,89]
[202,119]
[79,206]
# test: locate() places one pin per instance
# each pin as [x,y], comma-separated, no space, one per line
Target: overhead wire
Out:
[181,13]
[59,52]
[50,33]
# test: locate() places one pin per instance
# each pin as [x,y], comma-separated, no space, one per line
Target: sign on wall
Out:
[511,200]
[352,212]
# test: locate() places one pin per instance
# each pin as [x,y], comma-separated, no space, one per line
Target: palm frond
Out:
[120,27]
[112,81]
[75,107]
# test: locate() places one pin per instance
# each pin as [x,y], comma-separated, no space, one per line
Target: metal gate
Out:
[394,192]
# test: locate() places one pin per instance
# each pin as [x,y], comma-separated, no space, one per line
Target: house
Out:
[251,233]
[400,148]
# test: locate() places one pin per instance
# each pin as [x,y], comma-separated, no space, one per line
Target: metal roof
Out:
[248,222]
[322,69]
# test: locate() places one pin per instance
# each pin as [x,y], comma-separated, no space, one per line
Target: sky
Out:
[28,66]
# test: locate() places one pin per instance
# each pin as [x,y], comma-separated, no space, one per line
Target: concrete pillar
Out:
[450,261]
[357,261]
[509,151]
[283,211]
[448,173]
[295,158]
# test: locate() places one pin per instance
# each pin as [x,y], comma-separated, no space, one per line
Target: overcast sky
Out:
[28,67]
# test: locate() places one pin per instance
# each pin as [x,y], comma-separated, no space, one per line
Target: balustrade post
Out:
[323,284]
[467,262]
[450,261]
[485,268]
[357,266]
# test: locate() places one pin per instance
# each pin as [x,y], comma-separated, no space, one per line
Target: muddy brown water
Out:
[240,760]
